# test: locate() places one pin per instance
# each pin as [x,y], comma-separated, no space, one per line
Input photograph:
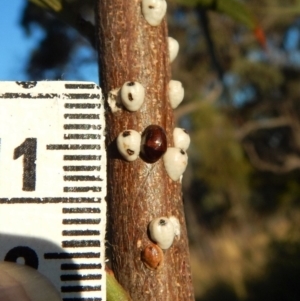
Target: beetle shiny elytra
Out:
[154,143]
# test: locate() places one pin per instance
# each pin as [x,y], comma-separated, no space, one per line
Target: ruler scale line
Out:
[83,189]
[82,105]
[29,95]
[81,210]
[81,168]
[82,158]
[80,96]
[82,136]
[80,86]
[80,288]
[82,299]
[76,277]
[48,200]
[73,147]
[78,221]
[80,243]
[82,126]
[82,266]
[81,116]
[67,255]
[80,233]
[82,178]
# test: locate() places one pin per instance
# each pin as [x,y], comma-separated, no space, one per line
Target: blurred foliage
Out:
[242,211]
[221,158]
[58,48]
[242,204]
[253,72]
[233,8]
[54,5]
[278,282]
[71,12]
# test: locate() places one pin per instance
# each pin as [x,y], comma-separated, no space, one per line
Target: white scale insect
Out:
[53,183]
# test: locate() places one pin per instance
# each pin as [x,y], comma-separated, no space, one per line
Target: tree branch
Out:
[69,12]
[204,22]
[291,161]
[211,98]
[132,50]
[252,126]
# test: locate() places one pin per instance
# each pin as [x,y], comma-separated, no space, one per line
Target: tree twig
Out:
[211,98]
[290,163]
[252,126]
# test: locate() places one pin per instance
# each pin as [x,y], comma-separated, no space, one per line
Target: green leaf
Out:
[69,11]
[237,11]
[54,5]
[114,290]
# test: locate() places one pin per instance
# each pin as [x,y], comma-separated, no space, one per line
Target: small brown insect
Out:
[152,256]
[154,143]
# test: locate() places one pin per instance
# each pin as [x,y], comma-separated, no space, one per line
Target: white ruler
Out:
[53,183]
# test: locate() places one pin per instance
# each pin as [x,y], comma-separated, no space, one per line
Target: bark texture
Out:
[132,50]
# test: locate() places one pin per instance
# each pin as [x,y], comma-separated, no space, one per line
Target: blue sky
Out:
[15,46]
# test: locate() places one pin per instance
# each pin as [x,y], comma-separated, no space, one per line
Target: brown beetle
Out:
[152,256]
[154,143]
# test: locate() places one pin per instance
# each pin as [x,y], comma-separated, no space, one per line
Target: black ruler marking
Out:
[82,158]
[80,266]
[48,200]
[83,189]
[29,95]
[82,299]
[26,84]
[80,96]
[81,243]
[78,221]
[80,288]
[74,243]
[82,136]
[81,168]
[82,105]
[73,146]
[81,116]
[82,178]
[81,210]
[80,86]
[76,277]
[67,255]
[82,126]
[80,232]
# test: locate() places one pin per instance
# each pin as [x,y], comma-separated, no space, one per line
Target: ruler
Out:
[53,183]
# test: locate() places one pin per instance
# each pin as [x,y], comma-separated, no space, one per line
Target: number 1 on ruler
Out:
[53,183]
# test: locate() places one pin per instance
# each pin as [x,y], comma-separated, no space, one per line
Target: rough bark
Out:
[132,50]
